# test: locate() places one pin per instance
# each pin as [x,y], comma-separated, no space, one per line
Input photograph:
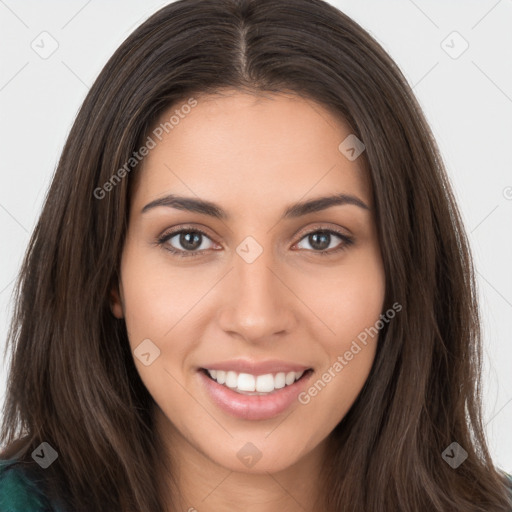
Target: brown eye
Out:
[322,241]
[185,242]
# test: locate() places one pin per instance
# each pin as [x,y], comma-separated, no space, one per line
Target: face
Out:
[240,311]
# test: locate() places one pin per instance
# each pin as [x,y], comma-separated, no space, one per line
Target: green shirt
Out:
[19,493]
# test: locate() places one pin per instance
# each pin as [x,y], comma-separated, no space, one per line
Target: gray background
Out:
[466,95]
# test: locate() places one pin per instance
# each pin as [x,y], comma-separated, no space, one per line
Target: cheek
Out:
[346,299]
[350,305]
[156,298]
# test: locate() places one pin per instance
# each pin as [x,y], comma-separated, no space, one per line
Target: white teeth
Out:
[231,379]
[290,378]
[265,383]
[280,380]
[247,383]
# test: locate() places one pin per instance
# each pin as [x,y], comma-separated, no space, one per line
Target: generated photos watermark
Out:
[343,360]
[143,151]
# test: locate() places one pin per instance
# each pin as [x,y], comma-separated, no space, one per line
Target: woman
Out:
[249,284]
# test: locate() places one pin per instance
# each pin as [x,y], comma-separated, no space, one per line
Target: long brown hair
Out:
[72,380]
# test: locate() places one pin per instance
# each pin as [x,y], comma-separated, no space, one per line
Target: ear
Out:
[116,305]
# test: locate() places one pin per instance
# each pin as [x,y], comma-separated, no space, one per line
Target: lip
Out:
[256,368]
[253,407]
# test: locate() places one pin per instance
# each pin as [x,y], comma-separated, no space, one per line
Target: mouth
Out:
[255,385]
[253,396]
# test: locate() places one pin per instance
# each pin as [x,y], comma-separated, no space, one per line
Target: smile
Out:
[261,395]
[248,384]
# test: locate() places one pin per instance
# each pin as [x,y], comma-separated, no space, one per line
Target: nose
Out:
[257,303]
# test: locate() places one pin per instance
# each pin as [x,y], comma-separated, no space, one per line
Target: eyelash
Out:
[161,241]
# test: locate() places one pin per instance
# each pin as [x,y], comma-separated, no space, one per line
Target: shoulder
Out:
[18,493]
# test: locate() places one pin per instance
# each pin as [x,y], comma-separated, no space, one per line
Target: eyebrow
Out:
[191,204]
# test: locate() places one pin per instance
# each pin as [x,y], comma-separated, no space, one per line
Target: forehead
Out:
[264,148]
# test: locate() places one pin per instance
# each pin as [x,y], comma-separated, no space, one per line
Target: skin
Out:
[254,156]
